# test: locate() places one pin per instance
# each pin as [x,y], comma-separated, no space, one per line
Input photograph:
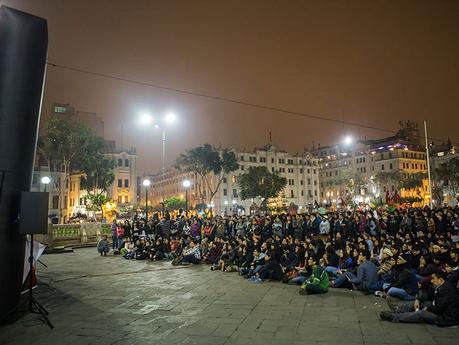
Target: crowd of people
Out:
[410,257]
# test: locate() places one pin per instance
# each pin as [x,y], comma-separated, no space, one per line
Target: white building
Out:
[301,172]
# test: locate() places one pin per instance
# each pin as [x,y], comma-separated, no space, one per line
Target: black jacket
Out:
[446,304]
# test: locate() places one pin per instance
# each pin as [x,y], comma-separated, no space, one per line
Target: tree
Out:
[447,174]
[204,161]
[67,145]
[258,182]
[412,181]
[96,202]
[387,178]
[174,203]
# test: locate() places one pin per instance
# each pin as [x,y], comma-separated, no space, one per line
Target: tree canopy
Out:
[204,160]
[259,182]
[447,174]
[174,203]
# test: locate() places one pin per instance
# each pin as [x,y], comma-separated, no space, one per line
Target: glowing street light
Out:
[169,118]
[348,140]
[45,180]
[146,184]
[146,119]
[186,185]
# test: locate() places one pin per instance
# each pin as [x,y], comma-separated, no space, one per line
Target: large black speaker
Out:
[23,47]
[33,218]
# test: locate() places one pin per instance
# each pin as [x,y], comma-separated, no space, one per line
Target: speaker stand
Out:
[34,306]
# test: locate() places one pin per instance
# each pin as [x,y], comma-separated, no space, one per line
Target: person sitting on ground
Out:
[317,283]
[367,274]
[405,285]
[103,247]
[443,310]
[192,254]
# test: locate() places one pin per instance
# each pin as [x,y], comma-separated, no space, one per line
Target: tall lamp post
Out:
[146,183]
[45,180]
[168,119]
[186,185]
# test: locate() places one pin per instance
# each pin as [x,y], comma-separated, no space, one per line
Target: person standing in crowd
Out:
[114,235]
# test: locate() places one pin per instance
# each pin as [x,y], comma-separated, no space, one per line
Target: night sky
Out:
[370,62]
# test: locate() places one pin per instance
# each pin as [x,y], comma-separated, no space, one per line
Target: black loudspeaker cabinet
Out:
[34,213]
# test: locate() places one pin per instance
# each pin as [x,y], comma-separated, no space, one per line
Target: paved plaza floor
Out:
[110,300]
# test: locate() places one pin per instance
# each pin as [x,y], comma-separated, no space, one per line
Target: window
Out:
[81,201]
[126,162]
[242,168]
[390,166]
[272,160]
[290,161]
[282,170]
[302,192]
[314,171]
[126,199]
[382,166]
[225,192]
[291,194]
[390,155]
[233,179]
[224,180]
[291,182]
[272,169]
[242,158]
[262,159]
[234,193]
[120,162]
[55,201]
[301,182]
[60,109]
[120,200]
[290,170]
[120,183]
[315,183]
[301,170]
[382,155]
[281,161]
[126,183]
[309,181]
[309,171]
[253,159]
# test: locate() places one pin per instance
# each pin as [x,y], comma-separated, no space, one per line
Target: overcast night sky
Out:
[371,62]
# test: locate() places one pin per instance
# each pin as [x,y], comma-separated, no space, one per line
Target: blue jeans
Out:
[114,242]
[400,293]
[378,286]
[299,280]
[343,278]
[332,270]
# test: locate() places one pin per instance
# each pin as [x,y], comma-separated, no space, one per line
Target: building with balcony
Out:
[300,170]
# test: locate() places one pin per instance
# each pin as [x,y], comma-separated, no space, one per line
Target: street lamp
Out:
[168,119]
[348,140]
[146,119]
[186,185]
[146,183]
[45,180]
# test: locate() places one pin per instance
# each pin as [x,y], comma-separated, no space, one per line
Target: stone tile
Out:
[156,303]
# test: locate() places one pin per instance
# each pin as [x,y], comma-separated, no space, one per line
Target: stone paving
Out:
[109,300]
